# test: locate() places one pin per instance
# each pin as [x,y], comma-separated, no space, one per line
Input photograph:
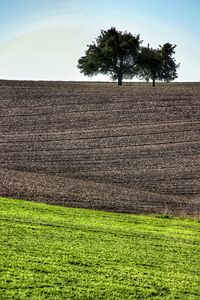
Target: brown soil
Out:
[131,149]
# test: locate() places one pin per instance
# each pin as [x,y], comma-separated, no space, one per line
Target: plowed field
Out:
[130,149]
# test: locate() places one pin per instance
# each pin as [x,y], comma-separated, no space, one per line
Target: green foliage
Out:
[169,66]
[157,64]
[120,55]
[113,53]
[51,252]
[150,64]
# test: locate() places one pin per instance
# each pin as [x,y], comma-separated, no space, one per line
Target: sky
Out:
[43,39]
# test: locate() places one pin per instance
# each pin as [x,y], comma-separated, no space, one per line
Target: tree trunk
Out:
[120,78]
[154,82]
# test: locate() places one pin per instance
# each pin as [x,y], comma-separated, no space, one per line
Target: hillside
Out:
[130,149]
[52,252]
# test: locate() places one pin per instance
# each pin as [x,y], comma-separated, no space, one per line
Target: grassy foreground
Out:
[49,252]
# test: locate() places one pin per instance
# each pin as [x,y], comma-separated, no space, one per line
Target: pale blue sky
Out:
[43,39]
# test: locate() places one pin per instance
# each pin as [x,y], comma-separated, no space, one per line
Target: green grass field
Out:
[49,252]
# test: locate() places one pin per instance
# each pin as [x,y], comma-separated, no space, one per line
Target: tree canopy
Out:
[120,55]
[169,66]
[114,53]
[157,64]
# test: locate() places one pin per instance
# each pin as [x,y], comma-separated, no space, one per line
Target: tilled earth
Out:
[131,149]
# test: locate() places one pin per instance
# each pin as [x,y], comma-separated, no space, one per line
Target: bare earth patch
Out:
[130,149]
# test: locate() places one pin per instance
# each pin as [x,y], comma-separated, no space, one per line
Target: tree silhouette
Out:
[114,53]
[157,64]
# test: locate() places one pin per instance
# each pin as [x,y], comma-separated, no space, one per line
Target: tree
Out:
[157,64]
[149,64]
[169,66]
[114,53]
